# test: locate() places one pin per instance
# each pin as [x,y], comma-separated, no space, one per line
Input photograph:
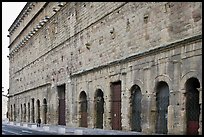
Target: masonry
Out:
[131,66]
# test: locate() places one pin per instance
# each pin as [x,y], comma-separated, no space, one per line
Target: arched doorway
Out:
[192,106]
[44,111]
[24,113]
[33,111]
[21,113]
[83,109]
[28,111]
[136,97]
[162,103]
[38,109]
[11,116]
[99,108]
[14,112]
[61,106]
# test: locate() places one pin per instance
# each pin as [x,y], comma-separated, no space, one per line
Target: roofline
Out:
[27,4]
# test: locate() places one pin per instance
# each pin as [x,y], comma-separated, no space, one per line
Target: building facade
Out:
[4,107]
[131,66]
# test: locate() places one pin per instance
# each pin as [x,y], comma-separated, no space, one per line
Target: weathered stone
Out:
[56,73]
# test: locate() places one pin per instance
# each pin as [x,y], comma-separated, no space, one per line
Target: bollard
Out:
[18,124]
[46,128]
[78,132]
[25,125]
[33,126]
[61,130]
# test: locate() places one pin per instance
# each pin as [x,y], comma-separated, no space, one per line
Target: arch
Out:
[14,111]
[44,111]
[135,105]
[11,113]
[61,104]
[99,108]
[137,82]
[21,112]
[186,76]
[165,78]
[24,113]
[99,87]
[28,111]
[38,108]
[83,109]
[162,103]
[192,106]
[33,110]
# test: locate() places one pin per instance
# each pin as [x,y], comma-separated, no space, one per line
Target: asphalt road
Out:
[15,130]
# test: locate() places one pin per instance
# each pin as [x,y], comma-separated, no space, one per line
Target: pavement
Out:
[66,130]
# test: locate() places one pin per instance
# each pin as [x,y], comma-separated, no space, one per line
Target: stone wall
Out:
[86,46]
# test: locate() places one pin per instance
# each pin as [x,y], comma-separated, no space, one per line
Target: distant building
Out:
[134,66]
[4,107]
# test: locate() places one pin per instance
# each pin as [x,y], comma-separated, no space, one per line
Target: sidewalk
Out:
[65,130]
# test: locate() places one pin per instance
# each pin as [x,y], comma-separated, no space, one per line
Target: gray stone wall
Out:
[86,46]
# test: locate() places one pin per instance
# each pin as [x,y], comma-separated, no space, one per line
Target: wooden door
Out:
[61,108]
[116,105]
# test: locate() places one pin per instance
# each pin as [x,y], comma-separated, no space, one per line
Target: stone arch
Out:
[11,113]
[187,76]
[162,103]
[44,111]
[83,109]
[165,78]
[14,111]
[28,111]
[33,110]
[21,112]
[99,87]
[99,108]
[192,106]
[38,109]
[61,104]
[137,82]
[135,105]
[24,112]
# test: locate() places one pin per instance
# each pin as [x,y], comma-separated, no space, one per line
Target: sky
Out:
[10,11]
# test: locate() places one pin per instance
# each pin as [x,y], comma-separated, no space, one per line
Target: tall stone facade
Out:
[131,66]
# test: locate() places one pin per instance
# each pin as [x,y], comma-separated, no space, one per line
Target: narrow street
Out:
[13,128]
[17,130]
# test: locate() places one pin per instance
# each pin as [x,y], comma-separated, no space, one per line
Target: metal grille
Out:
[136,109]
[162,113]
[192,112]
[83,109]
[162,99]
[83,121]
[99,112]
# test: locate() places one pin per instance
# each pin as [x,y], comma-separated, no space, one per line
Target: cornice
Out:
[34,30]
[25,11]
